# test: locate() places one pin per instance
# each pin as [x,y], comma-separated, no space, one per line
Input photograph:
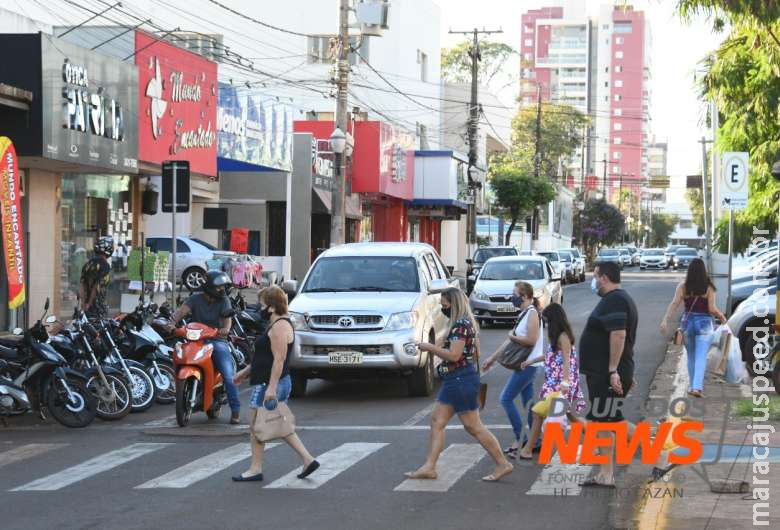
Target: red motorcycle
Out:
[199,386]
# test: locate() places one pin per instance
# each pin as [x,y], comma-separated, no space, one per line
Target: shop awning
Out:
[321,201]
[441,208]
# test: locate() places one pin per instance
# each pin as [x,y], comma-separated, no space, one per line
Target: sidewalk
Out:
[685,499]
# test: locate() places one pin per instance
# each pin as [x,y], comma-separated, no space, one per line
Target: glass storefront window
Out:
[93,206]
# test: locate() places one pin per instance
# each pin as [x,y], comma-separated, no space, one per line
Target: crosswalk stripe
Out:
[560,479]
[91,467]
[332,463]
[453,463]
[24,452]
[202,468]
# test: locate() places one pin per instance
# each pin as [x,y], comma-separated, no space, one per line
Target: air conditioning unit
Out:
[372,15]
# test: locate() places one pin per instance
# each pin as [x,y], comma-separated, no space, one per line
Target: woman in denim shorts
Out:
[459,393]
[270,379]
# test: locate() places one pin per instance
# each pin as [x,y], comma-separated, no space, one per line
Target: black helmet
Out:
[104,245]
[217,284]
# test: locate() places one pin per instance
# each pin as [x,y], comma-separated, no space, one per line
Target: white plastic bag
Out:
[735,368]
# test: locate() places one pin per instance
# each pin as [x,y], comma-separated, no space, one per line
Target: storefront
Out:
[78,148]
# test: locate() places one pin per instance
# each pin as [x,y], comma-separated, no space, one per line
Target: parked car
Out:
[481,255]
[683,257]
[766,268]
[744,290]
[762,247]
[625,256]
[491,300]
[361,309]
[574,266]
[669,253]
[745,317]
[652,258]
[580,260]
[608,254]
[191,257]
[559,266]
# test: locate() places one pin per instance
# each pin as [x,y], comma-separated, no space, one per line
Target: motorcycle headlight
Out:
[299,321]
[194,334]
[398,321]
[479,295]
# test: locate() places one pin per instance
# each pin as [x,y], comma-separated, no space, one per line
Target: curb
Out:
[196,432]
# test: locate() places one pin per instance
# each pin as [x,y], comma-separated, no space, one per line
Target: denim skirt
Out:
[460,390]
[283,390]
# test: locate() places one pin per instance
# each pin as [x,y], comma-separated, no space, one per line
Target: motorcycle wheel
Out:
[113,403]
[164,383]
[216,406]
[142,390]
[183,408]
[776,375]
[75,413]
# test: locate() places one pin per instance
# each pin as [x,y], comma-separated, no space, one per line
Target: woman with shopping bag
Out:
[269,376]
[697,294]
[561,374]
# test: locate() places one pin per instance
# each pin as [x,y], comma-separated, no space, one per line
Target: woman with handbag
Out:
[460,389]
[524,341]
[697,293]
[271,386]
[561,374]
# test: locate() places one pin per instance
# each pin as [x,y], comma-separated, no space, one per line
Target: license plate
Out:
[506,308]
[345,357]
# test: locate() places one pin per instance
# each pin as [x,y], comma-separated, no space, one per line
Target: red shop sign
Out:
[177,105]
[13,229]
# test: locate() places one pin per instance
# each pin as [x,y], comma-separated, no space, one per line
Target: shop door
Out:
[277,228]
[320,234]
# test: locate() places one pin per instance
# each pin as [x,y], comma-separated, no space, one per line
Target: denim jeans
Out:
[223,362]
[698,336]
[520,383]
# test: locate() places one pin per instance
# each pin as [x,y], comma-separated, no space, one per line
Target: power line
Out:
[259,22]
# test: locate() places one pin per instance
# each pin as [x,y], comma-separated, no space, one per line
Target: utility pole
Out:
[537,159]
[707,224]
[337,224]
[473,130]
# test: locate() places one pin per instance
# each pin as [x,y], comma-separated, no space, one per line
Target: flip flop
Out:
[521,457]
[251,478]
[593,483]
[311,468]
[658,473]
[511,452]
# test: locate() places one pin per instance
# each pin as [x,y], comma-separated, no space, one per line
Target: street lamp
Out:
[338,141]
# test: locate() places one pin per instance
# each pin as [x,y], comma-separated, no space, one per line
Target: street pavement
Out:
[145,473]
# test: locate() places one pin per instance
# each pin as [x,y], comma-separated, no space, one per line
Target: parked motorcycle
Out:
[33,376]
[199,386]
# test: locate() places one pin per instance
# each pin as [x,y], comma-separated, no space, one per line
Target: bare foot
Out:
[500,472]
[423,473]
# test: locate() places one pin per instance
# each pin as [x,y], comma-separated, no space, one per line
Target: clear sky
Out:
[677,48]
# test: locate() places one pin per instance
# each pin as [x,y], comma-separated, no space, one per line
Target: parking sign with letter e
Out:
[734,181]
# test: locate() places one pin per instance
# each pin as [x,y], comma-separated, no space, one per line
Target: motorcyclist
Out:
[96,277]
[209,308]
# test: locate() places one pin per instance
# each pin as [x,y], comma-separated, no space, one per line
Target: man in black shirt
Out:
[607,355]
[96,278]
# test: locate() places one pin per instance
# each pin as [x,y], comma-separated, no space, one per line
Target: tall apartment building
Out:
[601,66]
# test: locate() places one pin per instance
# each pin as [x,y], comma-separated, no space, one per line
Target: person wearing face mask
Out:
[527,332]
[459,393]
[270,379]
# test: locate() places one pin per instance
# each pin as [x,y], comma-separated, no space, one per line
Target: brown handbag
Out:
[273,424]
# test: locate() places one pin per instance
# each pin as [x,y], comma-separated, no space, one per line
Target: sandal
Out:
[511,452]
[593,483]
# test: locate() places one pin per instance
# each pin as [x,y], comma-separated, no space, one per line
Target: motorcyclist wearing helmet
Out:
[209,308]
[96,277]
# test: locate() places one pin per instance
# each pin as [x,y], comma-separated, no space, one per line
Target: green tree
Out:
[661,228]
[456,61]
[517,191]
[561,135]
[743,78]
[601,223]
[696,204]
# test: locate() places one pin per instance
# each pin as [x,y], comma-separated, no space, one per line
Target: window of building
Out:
[528,42]
[618,112]
[618,40]
[618,97]
[616,155]
[528,56]
[606,84]
[422,59]
[606,41]
[618,126]
[605,26]
[619,54]
[618,140]
[528,28]
[606,69]
[618,83]
[623,26]
[618,69]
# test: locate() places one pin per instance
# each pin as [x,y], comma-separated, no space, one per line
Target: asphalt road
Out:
[132,474]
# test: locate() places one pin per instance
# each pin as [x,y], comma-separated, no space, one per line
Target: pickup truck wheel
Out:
[421,382]
[299,382]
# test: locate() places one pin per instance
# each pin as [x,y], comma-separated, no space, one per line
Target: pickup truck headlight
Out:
[299,321]
[479,295]
[398,321]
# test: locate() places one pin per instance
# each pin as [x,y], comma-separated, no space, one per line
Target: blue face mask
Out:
[517,301]
[594,286]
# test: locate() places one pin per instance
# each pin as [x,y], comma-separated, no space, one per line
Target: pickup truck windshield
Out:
[484,254]
[363,274]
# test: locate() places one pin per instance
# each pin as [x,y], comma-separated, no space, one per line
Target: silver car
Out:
[652,258]
[754,317]
[491,299]
[191,257]
[558,264]
[360,310]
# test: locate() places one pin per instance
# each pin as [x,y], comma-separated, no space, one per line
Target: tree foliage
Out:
[661,227]
[696,204]
[601,223]
[456,61]
[517,191]
[743,78]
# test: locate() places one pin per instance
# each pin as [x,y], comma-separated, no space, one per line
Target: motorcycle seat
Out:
[11,341]
[10,354]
